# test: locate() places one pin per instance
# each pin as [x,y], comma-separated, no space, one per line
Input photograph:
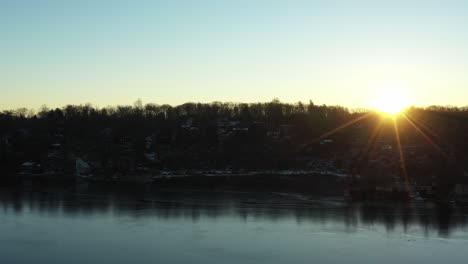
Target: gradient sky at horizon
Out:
[332,52]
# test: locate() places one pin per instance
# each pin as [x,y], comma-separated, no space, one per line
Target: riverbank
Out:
[272,182]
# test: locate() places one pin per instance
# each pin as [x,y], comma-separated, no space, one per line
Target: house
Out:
[82,168]
[241,129]
[234,123]
[423,190]
[151,156]
[187,124]
[326,142]
[30,167]
[273,134]
[107,134]
[149,142]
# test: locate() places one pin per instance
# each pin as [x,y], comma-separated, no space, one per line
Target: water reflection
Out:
[424,218]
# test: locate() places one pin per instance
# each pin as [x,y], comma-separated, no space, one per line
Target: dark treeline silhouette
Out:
[191,135]
[236,137]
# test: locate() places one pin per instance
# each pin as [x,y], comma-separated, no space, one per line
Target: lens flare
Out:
[390,101]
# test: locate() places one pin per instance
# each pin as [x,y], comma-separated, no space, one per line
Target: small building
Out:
[82,168]
[151,156]
[30,167]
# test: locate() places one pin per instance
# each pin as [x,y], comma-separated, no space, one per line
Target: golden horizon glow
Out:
[390,101]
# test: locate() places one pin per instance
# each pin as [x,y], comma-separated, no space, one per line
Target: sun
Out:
[390,101]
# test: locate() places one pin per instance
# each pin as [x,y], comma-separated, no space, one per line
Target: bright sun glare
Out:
[390,101]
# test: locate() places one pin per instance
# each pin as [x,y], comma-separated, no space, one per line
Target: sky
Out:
[109,52]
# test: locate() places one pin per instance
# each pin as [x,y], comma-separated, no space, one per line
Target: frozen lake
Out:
[43,227]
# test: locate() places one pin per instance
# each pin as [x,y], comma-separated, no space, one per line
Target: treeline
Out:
[192,135]
[246,111]
[308,119]
[274,110]
[269,135]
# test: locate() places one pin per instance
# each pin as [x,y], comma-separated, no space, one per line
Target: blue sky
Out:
[333,52]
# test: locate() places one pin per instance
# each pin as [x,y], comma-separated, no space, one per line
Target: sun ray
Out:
[423,125]
[401,153]
[343,126]
[424,135]
[371,141]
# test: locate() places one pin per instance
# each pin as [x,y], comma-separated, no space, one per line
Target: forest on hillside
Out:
[234,137]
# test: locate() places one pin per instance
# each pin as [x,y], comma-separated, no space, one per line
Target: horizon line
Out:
[140,102]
